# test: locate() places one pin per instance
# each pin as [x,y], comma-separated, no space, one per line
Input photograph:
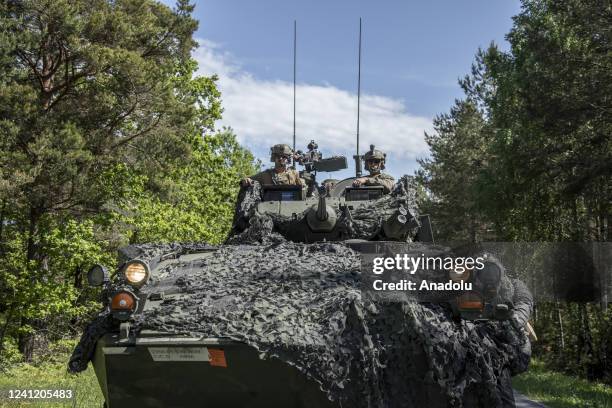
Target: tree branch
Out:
[134,136]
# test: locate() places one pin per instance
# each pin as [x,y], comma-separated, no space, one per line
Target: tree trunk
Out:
[560,323]
[78,277]
[2,212]
[9,317]
[26,340]
[586,341]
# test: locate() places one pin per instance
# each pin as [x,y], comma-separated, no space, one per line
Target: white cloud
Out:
[261,113]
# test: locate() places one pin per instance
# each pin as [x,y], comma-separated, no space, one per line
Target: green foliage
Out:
[543,150]
[527,156]
[52,374]
[10,354]
[90,86]
[561,391]
[106,138]
[51,291]
[575,338]
[458,151]
[202,204]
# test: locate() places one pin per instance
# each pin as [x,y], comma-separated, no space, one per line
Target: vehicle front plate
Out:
[179,353]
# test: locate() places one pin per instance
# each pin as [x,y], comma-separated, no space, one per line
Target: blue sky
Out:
[413,53]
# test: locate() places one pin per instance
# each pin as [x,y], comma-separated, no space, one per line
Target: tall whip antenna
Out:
[294,64]
[357,157]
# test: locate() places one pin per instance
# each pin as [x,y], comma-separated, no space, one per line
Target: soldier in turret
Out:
[375,163]
[280,154]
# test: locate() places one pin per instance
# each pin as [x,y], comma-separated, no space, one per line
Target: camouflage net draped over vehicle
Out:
[302,303]
[361,223]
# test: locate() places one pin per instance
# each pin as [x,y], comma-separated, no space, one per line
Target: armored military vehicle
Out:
[279,316]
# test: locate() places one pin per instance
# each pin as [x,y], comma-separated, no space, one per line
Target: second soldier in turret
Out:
[375,163]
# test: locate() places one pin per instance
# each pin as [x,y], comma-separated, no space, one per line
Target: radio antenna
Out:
[357,157]
[294,64]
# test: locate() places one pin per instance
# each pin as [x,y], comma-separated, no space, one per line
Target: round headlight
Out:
[490,275]
[97,275]
[458,276]
[136,273]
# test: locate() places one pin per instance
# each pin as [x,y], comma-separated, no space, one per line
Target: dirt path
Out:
[524,402]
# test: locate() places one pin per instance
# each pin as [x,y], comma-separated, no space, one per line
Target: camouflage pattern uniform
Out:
[376,178]
[270,176]
[381,179]
[283,175]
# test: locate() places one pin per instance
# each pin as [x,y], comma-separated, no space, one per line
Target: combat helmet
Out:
[280,150]
[374,154]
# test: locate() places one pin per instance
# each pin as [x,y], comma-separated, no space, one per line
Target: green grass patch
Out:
[52,375]
[558,390]
[554,389]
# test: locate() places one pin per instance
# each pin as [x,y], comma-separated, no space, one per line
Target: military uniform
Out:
[270,176]
[380,179]
[284,175]
[374,163]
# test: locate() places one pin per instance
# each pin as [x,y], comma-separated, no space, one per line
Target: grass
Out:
[554,389]
[52,375]
[557,390]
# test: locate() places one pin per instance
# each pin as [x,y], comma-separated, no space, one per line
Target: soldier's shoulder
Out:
[262,176]
[261,173]
[386,176]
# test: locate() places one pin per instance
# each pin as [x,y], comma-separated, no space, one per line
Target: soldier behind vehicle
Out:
[375,163]
[280,154]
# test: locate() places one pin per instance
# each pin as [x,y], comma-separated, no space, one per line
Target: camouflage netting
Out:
[302,303]
[360,223]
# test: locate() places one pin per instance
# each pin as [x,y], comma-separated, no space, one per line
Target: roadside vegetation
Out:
[107,138]
[526,156]
[551,388]
[557,390]
[49,372]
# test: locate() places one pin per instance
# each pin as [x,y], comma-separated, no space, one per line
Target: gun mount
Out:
[323,217]
[313,162]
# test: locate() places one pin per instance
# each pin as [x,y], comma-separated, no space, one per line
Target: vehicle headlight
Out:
[136,273]
[458,276]
[97,275]
[490,275]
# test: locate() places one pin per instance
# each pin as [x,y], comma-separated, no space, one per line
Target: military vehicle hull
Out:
[268,321]
[172,371]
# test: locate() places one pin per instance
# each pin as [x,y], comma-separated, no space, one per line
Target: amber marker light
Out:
[123,304]
[470,301]
[123,301]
